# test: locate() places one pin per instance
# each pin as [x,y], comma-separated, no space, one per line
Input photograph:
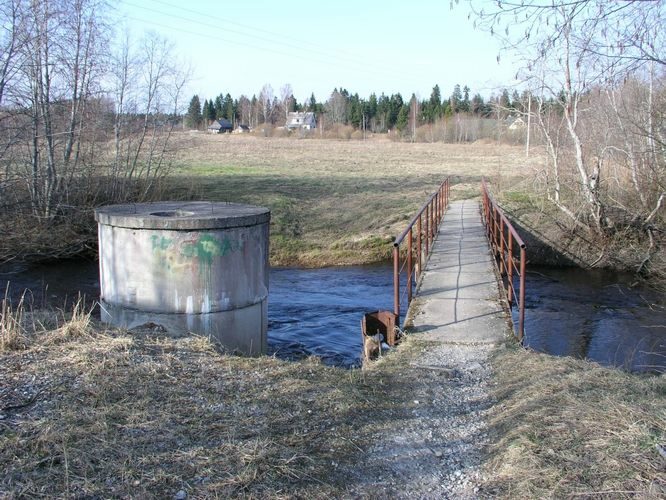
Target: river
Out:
[596,315]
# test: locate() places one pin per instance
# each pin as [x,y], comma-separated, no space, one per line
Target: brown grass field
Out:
[334,202]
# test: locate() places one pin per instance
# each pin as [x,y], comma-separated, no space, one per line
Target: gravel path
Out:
[439,433]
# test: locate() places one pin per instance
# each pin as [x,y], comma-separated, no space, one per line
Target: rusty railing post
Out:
[521,303]
[419,242]
[432,220]
[510,269]
[409,267]
[396,282]
[501,242]
[427,231]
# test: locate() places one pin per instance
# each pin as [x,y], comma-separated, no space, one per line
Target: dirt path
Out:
[430,440]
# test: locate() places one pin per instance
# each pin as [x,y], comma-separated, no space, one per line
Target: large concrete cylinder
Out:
[197,267]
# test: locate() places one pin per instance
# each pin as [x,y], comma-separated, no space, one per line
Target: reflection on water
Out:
[595,315]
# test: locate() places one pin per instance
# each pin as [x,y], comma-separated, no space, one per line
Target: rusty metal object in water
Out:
[377,327]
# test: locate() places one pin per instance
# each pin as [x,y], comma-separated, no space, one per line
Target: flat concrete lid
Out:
[182,216]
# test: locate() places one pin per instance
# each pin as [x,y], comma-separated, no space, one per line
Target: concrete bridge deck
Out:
[458,299]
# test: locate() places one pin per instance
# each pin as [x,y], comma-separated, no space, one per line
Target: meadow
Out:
[334,202]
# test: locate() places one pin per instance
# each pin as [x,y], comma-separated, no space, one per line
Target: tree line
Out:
[374,113]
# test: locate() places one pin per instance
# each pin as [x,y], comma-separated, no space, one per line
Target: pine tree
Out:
[193,118]
[403,118]
[219,107]
[211,112]
[205,112]
[228,112]
[465,104]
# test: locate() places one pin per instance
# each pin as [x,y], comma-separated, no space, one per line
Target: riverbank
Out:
[554,239]
[331,202]
[86,411]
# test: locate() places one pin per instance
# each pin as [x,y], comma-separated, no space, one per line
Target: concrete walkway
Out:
[458,299]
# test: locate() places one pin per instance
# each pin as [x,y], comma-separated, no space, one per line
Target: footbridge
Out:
[458,268]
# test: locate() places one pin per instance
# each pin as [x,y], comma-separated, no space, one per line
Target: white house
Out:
[306,121]
[517,124]
[220,126]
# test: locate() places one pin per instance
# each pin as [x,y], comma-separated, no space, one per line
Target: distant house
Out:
[220,126]
[242,129]
[304,121]
[517,124]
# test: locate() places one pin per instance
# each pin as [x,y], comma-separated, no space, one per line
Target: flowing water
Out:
[598,315]
[310,311]
[586,314]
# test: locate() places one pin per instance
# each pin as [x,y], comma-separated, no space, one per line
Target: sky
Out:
[365,46]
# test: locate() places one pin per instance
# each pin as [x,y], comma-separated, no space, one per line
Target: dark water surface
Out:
[587,314]
[310,311]
[597,315]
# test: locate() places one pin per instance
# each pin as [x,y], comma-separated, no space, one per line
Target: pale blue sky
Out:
[237,46]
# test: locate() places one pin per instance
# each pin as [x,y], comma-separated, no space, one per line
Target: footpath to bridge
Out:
[458,299]
[442,400]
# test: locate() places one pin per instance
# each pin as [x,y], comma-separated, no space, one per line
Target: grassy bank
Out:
[97,413]
[555,239]
[567,428]
[86,411]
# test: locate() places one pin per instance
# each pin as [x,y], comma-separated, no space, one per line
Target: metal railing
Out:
[505,243]
[416,244]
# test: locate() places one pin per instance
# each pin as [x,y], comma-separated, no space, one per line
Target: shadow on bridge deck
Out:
[458,299]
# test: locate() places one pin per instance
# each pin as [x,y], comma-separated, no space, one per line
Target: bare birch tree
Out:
[573,48]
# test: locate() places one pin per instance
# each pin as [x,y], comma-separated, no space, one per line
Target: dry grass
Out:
[334,202]
[108,414]
[12,332]
[572,429]
[117,414]
[92,413]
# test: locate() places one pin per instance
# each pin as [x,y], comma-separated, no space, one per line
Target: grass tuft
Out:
[12,332]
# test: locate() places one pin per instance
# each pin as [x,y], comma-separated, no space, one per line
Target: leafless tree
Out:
[266,97]
[286,96]
[336,107]
[571,49]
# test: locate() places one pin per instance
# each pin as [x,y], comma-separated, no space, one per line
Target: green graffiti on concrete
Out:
[160,242]
[207,247]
